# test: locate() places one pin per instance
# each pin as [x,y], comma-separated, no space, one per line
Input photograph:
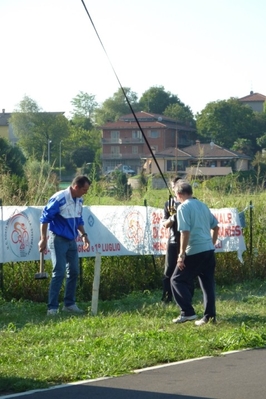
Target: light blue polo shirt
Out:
[194,216]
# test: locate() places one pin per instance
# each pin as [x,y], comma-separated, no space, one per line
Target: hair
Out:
[183,187]
[80,181]
[175,179]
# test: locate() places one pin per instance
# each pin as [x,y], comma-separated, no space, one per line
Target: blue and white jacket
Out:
[64,214]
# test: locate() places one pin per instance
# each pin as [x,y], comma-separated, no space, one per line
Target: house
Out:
[200,159]
[6,130]
[123,141]
[255,100]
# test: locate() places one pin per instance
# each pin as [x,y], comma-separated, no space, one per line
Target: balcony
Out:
[123,156]
[124,140]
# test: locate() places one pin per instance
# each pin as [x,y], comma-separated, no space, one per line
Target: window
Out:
[136,134]
[172,166]
[115,135]
[115,150]
[135,149]
[154,134]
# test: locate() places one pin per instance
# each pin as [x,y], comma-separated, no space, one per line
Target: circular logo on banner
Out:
[134,228]
[19,235]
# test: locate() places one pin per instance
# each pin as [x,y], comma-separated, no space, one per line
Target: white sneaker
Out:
[52,312]
[72,309]
[201,322]
[182,318]
[204,321]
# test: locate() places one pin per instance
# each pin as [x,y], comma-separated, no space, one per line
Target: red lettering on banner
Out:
[225,218]
[155,232]
[162,232]
[158,246]
[156,217]
[230,231]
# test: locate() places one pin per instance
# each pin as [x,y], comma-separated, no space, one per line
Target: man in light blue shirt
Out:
[198,233]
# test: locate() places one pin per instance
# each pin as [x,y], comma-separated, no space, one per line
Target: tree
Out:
[261,141]
[83,113]
[244,146]
[87,143]
[181,113]
[225,122]
[35,129]
[84,105]
[12,159]
[116,106]
[156,100]
[260,129]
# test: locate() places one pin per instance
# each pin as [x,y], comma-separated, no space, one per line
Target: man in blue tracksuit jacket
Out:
[63,217]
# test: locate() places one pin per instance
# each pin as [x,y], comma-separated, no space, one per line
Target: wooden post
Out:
[96,284]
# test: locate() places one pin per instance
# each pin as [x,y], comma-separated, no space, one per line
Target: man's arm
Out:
[43,241]
[214,234]
[184,237]
[84,236]
[168,222]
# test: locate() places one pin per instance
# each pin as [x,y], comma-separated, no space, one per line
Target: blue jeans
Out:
[64,255]
[201,265]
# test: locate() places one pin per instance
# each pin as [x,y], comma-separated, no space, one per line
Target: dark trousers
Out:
[169,268]
[201,265]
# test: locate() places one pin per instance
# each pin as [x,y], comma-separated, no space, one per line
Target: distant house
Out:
[6,130]
[200,159]
[123,142]
[254,100]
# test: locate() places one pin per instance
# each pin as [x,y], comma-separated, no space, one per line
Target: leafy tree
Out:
[84,105]
[182,113]
[81,122]
[122,189]
[35,129]
[225,122]
[11,158]
[260,129]
[87,143]
[156,100]
[116,106]
[244,146]
[83,113]
[261,141]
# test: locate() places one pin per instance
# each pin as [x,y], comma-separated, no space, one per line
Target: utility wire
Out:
[127,100]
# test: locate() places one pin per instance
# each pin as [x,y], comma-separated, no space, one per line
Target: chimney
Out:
[3,110]
[251,92]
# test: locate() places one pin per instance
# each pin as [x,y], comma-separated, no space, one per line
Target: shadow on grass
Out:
[13,385]
[247,319]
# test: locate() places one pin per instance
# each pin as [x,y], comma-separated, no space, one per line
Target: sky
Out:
[200,50]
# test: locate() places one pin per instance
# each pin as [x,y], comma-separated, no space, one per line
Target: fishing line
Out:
[127,100]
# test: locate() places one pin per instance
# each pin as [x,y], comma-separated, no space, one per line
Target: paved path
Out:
[235,375]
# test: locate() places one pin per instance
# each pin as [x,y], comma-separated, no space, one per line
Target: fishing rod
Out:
[128,102]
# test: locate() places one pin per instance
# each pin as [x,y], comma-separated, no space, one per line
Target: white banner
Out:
[112,230]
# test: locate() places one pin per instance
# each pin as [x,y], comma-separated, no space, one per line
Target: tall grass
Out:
[122,275]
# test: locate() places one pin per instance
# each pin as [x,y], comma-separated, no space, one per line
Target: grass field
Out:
[38,351]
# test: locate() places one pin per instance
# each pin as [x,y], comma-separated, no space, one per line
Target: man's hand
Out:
[180,262]
[42,244]
[86,242]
